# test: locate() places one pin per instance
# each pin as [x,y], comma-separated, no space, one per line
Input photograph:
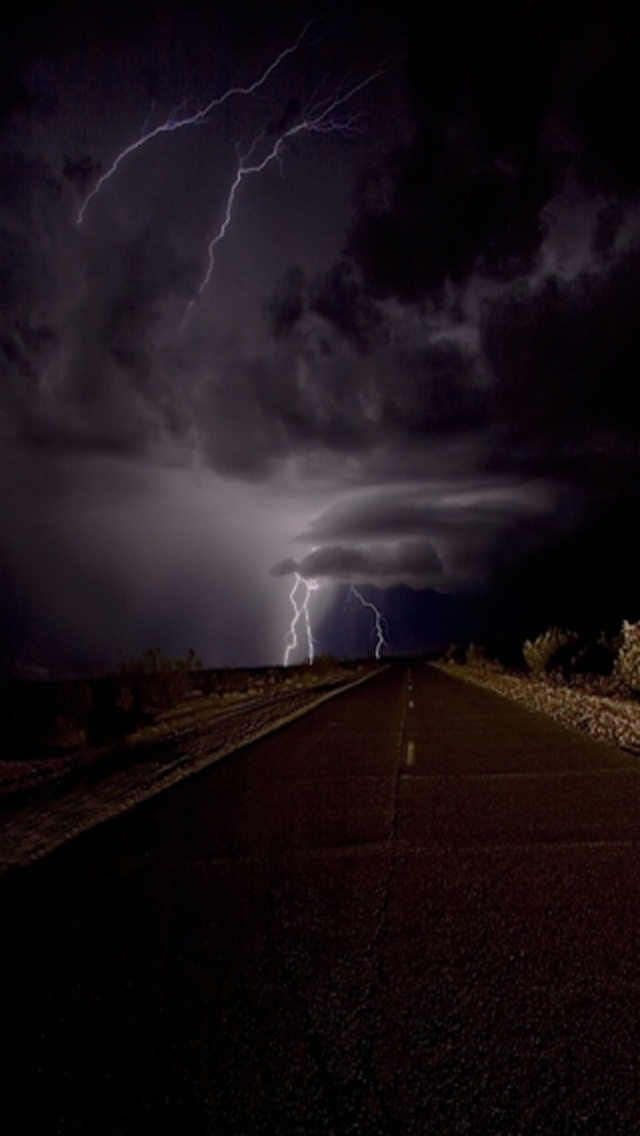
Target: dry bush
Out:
[477,655]
[628,661]
[549,650]
[454,653]
[325,665]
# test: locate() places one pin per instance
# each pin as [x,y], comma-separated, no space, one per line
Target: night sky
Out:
[411,363]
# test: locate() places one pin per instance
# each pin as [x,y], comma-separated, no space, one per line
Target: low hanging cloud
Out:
[409,559]
[447,506]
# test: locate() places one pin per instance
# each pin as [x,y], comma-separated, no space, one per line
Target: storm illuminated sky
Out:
[410,363]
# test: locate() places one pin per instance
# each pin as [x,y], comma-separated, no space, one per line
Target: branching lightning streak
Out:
[176,121]
[298,610]
[379,619]
[323,116]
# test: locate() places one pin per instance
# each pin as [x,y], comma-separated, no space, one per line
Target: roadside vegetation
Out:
[589,683]
[50,727]
[53,717]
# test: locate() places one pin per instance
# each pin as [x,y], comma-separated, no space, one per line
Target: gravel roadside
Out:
[609,718]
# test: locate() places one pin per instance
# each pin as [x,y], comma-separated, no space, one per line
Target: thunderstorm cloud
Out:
[413,365]
[406,559]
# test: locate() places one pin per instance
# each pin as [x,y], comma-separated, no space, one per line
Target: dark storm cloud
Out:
[307,395]
[413,510]
[467,192]
[437,308]
[409,558]
[94,374]
[566,356]
[28,189]
[285,308]
[28,332]
[115,293]
[468,523]
[374,375]
[444,223]
[507,106]
[340,299]
[337,297]
[82,171]
[313,393]
[119,326]
[609,221]
[602,98]
[113,385]
[437,390]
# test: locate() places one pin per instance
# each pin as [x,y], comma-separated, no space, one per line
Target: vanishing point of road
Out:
[413,911]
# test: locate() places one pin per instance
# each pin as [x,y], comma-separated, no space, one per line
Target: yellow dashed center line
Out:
[411,753]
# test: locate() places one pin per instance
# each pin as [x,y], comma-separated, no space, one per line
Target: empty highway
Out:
[413,911]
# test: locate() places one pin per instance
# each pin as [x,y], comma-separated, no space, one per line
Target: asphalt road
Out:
[415,910]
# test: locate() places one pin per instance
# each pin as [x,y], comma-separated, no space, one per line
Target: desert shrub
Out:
[75,700]
[506,653]
[596,658]
[64,733]
[325,665]
[117,708]
[45,715]
[73,705]
[476,655]
[628,661]
[208,681]
[454,653]
[554,648]
[154,662]
[142,687]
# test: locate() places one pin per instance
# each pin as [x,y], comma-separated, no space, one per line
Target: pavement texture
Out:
[415,910]
[94,785]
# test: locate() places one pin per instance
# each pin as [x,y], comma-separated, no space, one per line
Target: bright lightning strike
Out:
[379,619]
[176,121]
[323,116]
[300,609]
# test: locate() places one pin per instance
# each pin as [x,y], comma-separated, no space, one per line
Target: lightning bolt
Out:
[177,121]
[379,619]
[300,609]
[326,115]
